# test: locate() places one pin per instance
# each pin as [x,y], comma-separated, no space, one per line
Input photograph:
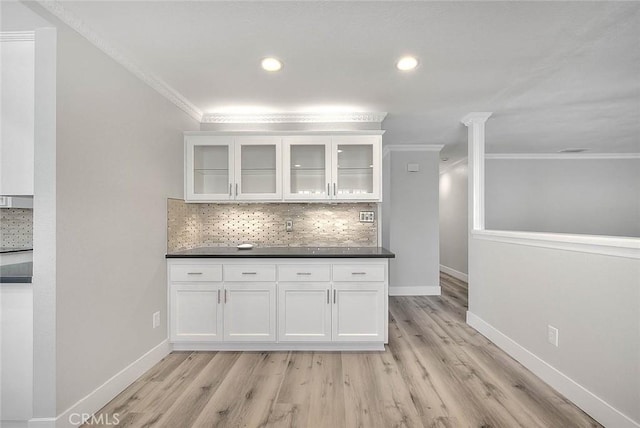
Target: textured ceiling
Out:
[555,74]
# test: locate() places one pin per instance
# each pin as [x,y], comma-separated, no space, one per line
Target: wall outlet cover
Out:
[552,335]
[156,319]
[367,216]
[288,225]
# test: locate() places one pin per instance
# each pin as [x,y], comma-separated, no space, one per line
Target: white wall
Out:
[594,301]
[454,219]
[120,156]
[410,226]
[596,196]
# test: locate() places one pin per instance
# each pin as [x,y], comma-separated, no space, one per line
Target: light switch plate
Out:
[413,167]
[288,225]
[367,216]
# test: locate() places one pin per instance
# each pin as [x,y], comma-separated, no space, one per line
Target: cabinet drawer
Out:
[304,273]
[358,273]
[250,272]
[196,273]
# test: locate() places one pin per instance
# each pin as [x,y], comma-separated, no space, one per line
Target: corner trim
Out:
[418,290]
[346,117]
[448,167]
[596,407]
[95,400]
[561,156]
[160,86]
[454,273]
[593,244]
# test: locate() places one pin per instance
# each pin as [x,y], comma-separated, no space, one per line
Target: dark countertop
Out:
[18,273]
[5,250]
[285,252]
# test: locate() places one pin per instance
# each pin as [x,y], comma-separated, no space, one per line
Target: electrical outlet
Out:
[367,216]
[156,319]
[288,225]
[552,335]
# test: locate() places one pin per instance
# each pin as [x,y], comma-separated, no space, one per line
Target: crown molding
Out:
[476,117]
[411,148]
[17,36]
[561,156]
[67,17]
[352,117]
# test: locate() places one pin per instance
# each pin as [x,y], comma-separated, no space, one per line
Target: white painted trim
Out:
[561,156]
[605,245]
[411,148]
[448,167]
[596,407]
[95,400]
[455,273]
[42,423]
[417,290]
[283,133]
[17,36]
[292,117]
[476,117]
[288,346]
[156,83]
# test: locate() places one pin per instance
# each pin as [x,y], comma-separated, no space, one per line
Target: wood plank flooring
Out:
[436,372]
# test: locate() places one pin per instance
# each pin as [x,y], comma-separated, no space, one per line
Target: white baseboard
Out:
[42,423]
[596,407]
[454,273]
[108,390]
[282,346]
[418,290]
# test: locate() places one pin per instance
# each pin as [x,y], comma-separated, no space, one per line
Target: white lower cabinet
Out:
[328,305]
[304,314]
[358,312]
[196,312]
[250,312]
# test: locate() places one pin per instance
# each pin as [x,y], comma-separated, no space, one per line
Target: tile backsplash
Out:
[263,224]
[16,228]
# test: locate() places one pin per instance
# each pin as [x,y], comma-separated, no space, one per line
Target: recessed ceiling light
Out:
[572,150]
[444,159]
[407,63]
[271,64]
[297,166]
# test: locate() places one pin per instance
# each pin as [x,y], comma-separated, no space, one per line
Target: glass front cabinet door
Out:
[356,167]
[258,166]
[307,167]
[208,168]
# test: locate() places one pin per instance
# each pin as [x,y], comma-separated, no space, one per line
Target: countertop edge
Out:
[281,256]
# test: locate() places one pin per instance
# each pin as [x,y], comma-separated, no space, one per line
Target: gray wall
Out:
[454,218]
[595,197]
[119,157]
[410,226]
[594,301]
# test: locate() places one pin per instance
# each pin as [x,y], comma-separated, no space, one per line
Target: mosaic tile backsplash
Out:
[16,228]
[225,225]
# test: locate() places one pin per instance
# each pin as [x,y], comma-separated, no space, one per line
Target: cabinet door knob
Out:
[218,296]
[328,298]
[334,296]
[194,273]
[229,189]
[303,273]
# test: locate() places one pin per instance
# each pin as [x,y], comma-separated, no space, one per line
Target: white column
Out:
[475,123]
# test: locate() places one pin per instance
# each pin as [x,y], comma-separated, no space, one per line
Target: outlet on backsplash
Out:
[224,225]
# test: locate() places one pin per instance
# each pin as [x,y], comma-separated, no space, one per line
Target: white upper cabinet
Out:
[290,168]
[356,167]
[209,168]
[17,68]
[307,167]
[258,168]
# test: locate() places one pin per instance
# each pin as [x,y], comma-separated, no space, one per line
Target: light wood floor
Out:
[436,372]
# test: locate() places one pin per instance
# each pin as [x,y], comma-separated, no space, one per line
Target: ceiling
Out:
[556,75]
